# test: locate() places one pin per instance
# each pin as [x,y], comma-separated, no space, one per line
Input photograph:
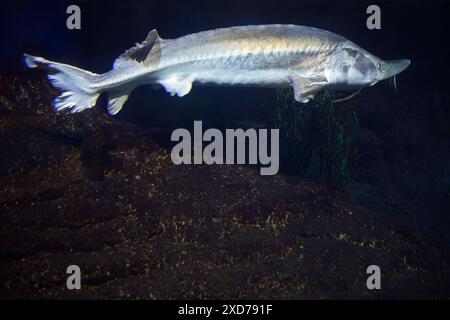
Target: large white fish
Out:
[306,58]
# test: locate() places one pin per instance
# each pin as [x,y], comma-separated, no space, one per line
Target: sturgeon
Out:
[305,58]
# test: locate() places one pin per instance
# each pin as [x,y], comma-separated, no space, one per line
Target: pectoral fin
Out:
[305,89]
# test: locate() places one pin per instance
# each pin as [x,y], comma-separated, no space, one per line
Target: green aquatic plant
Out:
[317,139]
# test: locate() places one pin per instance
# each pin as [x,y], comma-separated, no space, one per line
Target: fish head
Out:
[351,66]
[391,68]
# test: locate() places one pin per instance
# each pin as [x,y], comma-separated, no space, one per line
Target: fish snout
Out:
[391,68]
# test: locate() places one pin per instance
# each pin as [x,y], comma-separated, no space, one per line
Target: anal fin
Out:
[116,102]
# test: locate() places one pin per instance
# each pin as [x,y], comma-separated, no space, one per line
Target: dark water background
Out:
[406,144]
[414,29]
[417,30]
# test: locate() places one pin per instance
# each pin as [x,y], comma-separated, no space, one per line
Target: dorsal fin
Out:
[140,51]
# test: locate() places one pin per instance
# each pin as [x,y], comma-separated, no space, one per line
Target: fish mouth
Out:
[393,67]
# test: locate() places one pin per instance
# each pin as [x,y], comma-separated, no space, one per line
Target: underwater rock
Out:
[90,190]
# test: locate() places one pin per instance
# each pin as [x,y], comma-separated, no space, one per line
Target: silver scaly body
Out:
[306,58]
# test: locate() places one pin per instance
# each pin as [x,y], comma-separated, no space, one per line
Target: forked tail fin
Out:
[77,85]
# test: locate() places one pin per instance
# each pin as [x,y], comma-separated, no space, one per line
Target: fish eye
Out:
[380,66]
